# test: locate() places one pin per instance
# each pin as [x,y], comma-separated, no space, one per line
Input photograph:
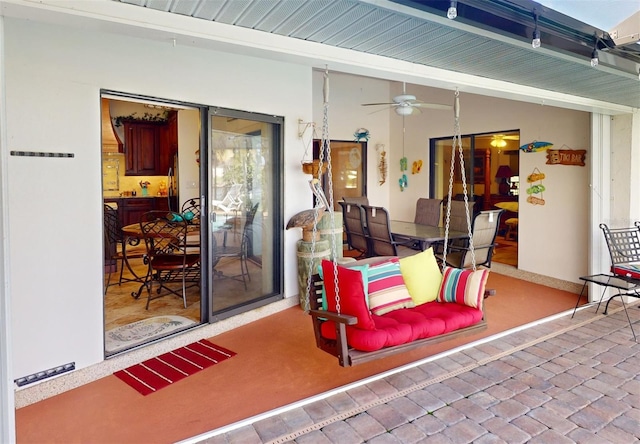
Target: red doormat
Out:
[156,373]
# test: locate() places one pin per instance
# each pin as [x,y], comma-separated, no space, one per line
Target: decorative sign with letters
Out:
[566,157]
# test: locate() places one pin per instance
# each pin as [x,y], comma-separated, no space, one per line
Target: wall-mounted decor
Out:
[536,189]
[382,164]
[403,182]
[417,166]
[361,134]
[566,157]
[536,146]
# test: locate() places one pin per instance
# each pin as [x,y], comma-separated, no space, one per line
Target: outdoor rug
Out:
[156,373]
[130,335]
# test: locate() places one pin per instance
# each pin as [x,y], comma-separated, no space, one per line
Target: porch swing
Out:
[342,323]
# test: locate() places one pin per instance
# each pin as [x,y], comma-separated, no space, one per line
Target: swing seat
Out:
[400,330]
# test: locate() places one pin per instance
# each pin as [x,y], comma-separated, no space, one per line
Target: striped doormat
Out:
[156,373]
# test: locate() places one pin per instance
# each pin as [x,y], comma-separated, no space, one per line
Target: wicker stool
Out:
[512,228]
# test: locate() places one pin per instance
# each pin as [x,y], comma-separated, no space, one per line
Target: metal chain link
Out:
[457,144]
[325,147]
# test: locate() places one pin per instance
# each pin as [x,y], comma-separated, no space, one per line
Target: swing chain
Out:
[457,144]
[325,147]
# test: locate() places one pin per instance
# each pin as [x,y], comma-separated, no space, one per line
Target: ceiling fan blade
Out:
[432,106]
[382,103]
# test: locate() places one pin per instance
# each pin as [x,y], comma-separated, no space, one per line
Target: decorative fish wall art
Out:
[536,146]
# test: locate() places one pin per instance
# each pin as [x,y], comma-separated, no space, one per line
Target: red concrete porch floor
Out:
[277,364]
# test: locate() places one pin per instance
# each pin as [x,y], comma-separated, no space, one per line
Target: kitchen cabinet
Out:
[142,148]
[134,208]
[150,147]
[131,209]
[169,143]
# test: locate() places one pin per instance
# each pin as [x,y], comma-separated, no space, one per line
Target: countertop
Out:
[133,197]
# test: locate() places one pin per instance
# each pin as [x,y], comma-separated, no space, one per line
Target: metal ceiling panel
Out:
[209,9]
[256,13]
[368,27]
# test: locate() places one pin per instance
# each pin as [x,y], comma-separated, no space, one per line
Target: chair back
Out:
[458,216]
[484,232]
[354,225]
[164,233]
[112,233]
[623,244]
[232,197]
[192,206]
[360,200]
[379,229]
[247,230]
[428,212]
[112,227]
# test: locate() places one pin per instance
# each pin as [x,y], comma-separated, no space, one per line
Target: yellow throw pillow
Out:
[422,276]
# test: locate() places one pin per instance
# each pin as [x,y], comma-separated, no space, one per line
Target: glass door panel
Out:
[245,213]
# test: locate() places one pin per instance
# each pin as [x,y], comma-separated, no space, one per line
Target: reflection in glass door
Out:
[245,212]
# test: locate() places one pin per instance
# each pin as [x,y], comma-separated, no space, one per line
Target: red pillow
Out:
[351,291]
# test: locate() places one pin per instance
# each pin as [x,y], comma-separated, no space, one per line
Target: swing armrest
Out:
[335,317]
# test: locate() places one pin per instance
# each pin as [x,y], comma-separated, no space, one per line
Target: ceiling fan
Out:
[407,104]
[500,140]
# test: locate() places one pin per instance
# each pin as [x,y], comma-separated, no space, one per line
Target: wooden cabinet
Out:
[131,209]
[169,142]
[142,149]
[150,147]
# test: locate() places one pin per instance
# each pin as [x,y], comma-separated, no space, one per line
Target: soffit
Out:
[417,32]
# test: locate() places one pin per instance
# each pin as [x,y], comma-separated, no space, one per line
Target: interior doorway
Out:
[492,179]
[149,163]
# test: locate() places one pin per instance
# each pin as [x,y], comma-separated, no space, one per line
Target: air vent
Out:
[39,376]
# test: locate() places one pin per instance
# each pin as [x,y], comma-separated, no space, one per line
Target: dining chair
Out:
[360,200]
[115,249]
[168,259]
[484,230]
[190,211]
[236,250]
[354,225]
[428,212]
[191,206]
[381,241]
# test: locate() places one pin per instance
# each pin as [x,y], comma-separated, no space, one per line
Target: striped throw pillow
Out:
[387,291]
[463,286]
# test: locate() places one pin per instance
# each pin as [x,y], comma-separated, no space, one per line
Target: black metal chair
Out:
[114,248]
[381,241]
[354,225]
[223,250]
[191,213]
[168,258]
[191,210]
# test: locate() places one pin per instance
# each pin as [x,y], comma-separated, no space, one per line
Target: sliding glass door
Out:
[245,211]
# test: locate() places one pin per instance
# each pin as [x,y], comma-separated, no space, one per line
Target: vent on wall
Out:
[45,374]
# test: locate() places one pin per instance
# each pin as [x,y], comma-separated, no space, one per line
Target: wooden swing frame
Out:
[339,347]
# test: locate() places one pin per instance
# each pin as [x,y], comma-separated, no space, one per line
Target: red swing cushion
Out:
[408,324]
[351,291]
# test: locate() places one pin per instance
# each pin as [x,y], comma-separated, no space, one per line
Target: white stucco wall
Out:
[53,78]
[553,238]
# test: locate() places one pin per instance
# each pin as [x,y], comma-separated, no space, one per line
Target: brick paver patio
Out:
[562,381]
